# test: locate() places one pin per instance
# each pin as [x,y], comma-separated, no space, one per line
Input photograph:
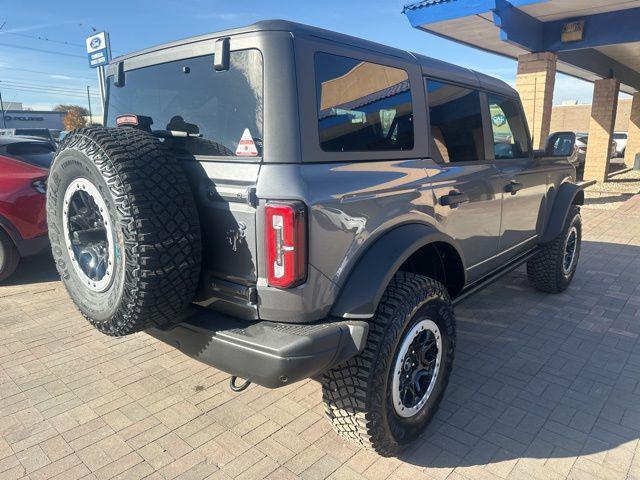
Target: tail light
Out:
[286,236]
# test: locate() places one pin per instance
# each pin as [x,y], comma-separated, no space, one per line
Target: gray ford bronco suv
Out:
[284,202]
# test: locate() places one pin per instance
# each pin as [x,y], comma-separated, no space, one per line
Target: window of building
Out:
[362,106]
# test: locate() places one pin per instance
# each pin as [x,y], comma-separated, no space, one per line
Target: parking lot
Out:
[543,387]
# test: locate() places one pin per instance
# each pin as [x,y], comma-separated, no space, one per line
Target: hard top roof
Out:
[431,66]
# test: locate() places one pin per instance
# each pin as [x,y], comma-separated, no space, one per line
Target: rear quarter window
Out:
[362,106]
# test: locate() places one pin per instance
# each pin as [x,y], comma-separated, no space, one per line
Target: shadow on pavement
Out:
[607,199]
[31,270]
[624,180]
[544,376]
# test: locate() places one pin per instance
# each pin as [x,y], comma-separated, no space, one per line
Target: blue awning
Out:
[592,38]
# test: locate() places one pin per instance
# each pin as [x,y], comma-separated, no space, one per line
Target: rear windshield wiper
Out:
[175,134]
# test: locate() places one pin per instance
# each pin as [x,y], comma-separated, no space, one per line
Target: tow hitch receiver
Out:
[238,388]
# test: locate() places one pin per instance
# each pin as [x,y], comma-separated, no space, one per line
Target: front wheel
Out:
[553,267]
[9,256]
[384,398]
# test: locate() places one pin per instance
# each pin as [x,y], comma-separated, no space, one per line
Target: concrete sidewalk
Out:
[544,387]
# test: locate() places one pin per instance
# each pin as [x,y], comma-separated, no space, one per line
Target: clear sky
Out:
[42,42]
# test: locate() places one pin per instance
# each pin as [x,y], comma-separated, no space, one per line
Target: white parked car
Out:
[621,143]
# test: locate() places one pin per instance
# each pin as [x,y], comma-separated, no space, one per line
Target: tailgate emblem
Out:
[236,235]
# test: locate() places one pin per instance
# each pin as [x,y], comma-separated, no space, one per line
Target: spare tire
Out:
[124,229]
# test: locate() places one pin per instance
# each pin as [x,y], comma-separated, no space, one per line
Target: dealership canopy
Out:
[593,39]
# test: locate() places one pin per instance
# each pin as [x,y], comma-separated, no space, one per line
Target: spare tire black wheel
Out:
[124,229]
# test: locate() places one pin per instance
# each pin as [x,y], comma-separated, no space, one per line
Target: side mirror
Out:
[561,144]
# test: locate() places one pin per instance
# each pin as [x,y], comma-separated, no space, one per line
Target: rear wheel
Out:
[124,229]
[9,256]
[553,267]
[384,398]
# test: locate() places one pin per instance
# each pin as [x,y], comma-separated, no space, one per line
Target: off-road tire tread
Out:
[160,225]
[543,269]
[355,391]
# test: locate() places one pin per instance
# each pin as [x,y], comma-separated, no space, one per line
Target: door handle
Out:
[453,199]
[513,187]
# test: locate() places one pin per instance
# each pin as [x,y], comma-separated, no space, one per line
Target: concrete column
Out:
[535,82]
[633,141]
[603,118]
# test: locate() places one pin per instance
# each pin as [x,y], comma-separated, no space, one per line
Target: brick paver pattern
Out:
[544,387]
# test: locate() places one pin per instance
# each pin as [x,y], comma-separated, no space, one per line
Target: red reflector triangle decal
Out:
[246,146]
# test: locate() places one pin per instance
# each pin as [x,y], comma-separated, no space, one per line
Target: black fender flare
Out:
[568,194]
[366,283]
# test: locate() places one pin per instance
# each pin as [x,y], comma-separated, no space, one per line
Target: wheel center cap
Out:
[89,236]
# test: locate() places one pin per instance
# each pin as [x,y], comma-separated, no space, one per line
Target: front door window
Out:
[509,131]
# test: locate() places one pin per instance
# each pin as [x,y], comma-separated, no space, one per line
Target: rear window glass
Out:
[38,154]
[216,108]
[32,132]
[362,106]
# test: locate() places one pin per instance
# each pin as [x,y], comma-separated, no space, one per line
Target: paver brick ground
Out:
[544,387]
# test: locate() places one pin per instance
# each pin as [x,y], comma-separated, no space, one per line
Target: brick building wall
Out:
[535,81]
[601,128]
[575,118]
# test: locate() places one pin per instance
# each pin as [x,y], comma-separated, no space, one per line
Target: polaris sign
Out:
[98,49]
[10,118]
[33,119]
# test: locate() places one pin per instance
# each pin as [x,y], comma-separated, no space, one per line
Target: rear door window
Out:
[217,109]
[362,106]
[37,154]
[456,123]
[510,138]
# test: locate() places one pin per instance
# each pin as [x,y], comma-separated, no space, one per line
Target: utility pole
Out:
[89,100]
[4,120]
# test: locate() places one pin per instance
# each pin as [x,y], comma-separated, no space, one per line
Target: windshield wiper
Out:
[175,134]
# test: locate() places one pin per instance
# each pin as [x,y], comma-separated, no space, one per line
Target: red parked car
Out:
[24,167]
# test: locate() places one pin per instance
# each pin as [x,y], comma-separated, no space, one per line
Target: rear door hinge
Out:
[252,197]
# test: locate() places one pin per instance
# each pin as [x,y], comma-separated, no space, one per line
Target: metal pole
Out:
[102,83]
[89,101]
[4,120]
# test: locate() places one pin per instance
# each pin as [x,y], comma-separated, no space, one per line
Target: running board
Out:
[492,277]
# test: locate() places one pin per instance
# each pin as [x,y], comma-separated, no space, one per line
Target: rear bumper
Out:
[267,353]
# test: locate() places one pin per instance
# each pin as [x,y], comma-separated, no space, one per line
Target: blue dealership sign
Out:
[98,49]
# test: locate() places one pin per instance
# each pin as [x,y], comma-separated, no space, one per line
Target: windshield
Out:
[216,109]
[38,154]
